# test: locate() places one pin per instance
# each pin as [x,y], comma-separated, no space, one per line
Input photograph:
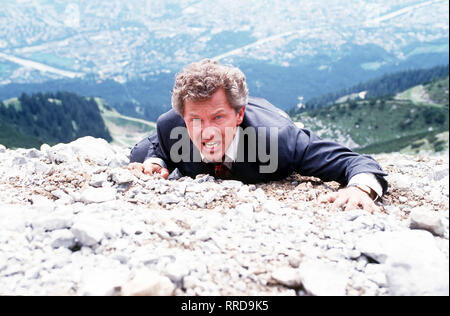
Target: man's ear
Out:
[240,115]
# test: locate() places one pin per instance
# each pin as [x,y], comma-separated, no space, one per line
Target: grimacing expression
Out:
[212,124]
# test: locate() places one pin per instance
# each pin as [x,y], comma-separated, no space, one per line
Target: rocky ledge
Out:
[74,221]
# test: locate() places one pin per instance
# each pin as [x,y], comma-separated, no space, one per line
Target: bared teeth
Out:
[211,145]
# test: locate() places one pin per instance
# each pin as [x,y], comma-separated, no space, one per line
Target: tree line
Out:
[55,117]
[145,98]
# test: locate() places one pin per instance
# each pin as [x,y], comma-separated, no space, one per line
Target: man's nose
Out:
[208,132]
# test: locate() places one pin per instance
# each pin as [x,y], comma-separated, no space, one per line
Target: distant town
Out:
[123,40]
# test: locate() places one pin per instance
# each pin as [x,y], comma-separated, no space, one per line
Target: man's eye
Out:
[218,117]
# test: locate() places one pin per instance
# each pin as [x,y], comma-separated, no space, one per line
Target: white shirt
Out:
[231,152]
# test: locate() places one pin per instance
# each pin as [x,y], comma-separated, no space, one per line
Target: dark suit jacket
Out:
[298,150]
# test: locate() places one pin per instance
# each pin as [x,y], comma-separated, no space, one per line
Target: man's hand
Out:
[149,168]
[349,199]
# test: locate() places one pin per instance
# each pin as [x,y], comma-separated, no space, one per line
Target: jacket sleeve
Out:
[159,143]
[330,161]
[151,147]
[145,149]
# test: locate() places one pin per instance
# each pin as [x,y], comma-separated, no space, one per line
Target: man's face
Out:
[212,124]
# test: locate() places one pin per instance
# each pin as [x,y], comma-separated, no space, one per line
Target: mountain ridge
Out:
[382,86]
[30,121]
[386,124]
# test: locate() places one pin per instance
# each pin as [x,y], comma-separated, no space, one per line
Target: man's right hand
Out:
[149,168]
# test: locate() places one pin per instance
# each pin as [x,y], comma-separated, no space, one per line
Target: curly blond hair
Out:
[199,81]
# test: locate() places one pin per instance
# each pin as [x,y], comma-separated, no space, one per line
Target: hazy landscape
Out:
[288,50]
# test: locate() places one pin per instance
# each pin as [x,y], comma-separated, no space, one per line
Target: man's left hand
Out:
[350,198]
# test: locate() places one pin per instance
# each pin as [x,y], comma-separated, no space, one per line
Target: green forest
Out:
[31,120]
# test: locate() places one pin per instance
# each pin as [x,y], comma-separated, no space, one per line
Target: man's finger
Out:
[135,165]
[340,201]
[370,206]
[330,197]
[352,204]
[148,171]
[164,173]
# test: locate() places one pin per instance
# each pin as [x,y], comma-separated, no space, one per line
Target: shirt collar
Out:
[231,152]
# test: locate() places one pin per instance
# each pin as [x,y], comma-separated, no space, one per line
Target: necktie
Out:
[221,171]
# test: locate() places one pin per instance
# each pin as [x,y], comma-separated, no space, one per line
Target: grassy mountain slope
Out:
[50,118]
[42,120]
[124,130]
[413,119]
[435,92]
[386,85]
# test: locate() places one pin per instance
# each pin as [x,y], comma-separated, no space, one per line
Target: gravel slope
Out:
[73,221]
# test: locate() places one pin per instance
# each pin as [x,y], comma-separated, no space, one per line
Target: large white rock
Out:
[423,218]
[51,222]
[40,167]
[89,148]
[148,283]
[245,210]
[121,175]
[62,238]
[272,206]
[288,277]
[176,271]
[260,195]
[439,173]
[88,233]
[97,180]
[103,282]
[414,264]
[98,195]
[323,279]
[14,217]
[42,204]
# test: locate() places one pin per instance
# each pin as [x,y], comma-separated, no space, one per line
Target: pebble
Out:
[288,277]
[87,233]
[51,222]
[439,173]
[98,179]
[422,218]
[260,195]
[40,167]
[103,282]
[97,195]
[121,176]
[62,238]
[74,221]
[323,279]
[148,283]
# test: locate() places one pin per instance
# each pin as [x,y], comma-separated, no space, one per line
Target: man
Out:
[215,128]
